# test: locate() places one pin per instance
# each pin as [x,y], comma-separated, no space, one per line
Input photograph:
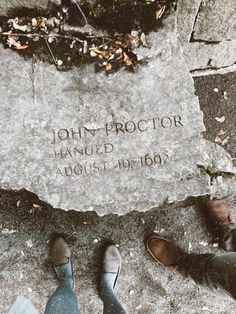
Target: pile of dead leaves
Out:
[66,45]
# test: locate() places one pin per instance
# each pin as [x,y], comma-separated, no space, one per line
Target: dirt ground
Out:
[144,287]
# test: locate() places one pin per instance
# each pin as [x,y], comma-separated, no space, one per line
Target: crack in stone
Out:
[192,33]
[211,68]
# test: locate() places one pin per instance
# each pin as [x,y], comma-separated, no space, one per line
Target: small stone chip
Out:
[95,240]
[216,90]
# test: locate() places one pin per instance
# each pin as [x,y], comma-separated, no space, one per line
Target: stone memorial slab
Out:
[111,143]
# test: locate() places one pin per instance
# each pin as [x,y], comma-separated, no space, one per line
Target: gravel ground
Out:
[26,224]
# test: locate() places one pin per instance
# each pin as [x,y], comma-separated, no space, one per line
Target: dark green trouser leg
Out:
[110,302]
[214,272]
[63,300]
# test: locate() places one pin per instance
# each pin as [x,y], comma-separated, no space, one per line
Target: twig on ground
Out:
[78,6]
[41,36]
[50,50]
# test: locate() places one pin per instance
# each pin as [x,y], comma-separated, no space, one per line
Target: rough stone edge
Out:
[217,166]
[187,18]
[205,72]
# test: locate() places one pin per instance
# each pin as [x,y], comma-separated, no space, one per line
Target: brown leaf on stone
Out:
[160,12]
[102,53]
[21,47]
[108,66]
[127,59]
[144,40]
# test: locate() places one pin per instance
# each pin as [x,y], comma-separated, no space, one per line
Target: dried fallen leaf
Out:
[218,139]
[220,120]
[221,132]
[102,53]
[93,54]
[144,40]
[127,60]
[21,47]
[160,12]
[108,66]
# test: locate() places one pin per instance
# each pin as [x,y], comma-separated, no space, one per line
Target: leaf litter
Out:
[106,33]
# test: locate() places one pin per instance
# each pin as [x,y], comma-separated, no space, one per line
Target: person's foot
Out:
[60,254]
[219,215]
[164,251]
[111,267]
[219,212]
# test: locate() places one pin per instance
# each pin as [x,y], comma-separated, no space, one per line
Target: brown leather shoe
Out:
[60,252]
[219,212]
[164,251]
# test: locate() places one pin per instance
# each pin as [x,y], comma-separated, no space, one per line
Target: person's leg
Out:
[214,272]
[110,271]
[23,306]
[219,215]
[63,300]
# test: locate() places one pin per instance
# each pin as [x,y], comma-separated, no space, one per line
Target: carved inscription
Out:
[74,159]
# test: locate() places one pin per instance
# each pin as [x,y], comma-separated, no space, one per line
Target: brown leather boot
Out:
[219,215]
[219,212]
[164,251]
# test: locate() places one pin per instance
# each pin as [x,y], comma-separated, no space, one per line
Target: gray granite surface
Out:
[186,16]
[216,21]
[201,55]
